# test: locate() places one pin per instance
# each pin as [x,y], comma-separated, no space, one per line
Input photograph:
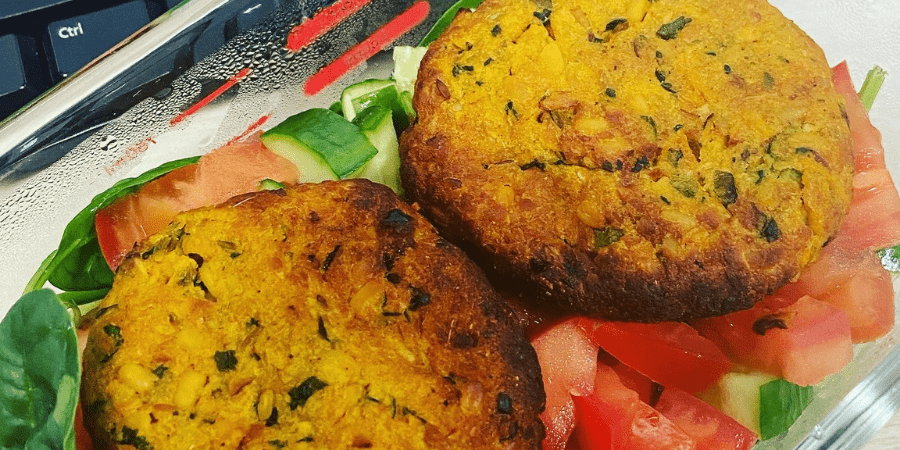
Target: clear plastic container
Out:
[88,133]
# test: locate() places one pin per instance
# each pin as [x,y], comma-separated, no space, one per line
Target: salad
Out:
[763,390]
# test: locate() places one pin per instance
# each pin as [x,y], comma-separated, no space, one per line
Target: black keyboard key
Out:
[12,71]
[77,41]
[19,80]
[10,8]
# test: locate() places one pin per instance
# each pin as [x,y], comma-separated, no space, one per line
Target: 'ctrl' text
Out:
[70,32]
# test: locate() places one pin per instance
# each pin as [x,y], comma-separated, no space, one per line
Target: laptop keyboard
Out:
[44,41]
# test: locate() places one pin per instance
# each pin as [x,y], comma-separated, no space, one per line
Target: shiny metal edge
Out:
[53,116]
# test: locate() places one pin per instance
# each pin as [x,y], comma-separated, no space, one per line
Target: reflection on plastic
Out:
[366,49]
[310,30]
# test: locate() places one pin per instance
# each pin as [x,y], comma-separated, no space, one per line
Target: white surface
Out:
[888,438]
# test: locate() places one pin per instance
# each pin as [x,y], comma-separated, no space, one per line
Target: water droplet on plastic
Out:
[817,432]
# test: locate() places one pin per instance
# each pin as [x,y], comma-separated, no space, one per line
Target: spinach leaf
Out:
[40,374]
[446,18]
[78,264]
[780,404]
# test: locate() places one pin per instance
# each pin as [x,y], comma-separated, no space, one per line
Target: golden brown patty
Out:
[631,159]
[324,316]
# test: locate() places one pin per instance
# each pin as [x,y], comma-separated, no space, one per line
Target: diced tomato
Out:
[874,218]
[848,275]
[219,175]
[802,343]
[647,389]
[868,299]
[867,147]
[854,282]
[244,165]
[132,218]
[670,353]
[873,221]
[568,362]
[613,417]
[709,427]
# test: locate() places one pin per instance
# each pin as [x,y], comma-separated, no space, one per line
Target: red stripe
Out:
[250,130]
[212,96]
[308,31]
[375,43]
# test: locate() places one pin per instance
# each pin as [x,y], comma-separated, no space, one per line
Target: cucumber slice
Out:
[737,395]
[375,122]
[367,93]
[780,404]
[406,66]
[269,185]
[322,144]
[357,97]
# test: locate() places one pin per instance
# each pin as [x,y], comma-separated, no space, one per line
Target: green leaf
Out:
[40,374]
[780,404]
[82,297]
[39,278]
[78,264]
[446,18]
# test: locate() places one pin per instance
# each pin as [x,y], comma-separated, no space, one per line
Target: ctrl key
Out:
[78,40]
[19,82]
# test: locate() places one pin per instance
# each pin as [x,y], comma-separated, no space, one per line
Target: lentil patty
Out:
[322,316]
[631,159]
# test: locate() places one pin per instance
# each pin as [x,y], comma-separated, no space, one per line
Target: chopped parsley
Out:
[301,393]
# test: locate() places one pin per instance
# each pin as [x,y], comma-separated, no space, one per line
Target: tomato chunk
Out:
[709,427]
[568,362]
[848,274]
[613,417]
[867,147]
[219,175]
[873,221]
[868,299]
[670,353]
[803,342]
[648,390]
[853,281]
